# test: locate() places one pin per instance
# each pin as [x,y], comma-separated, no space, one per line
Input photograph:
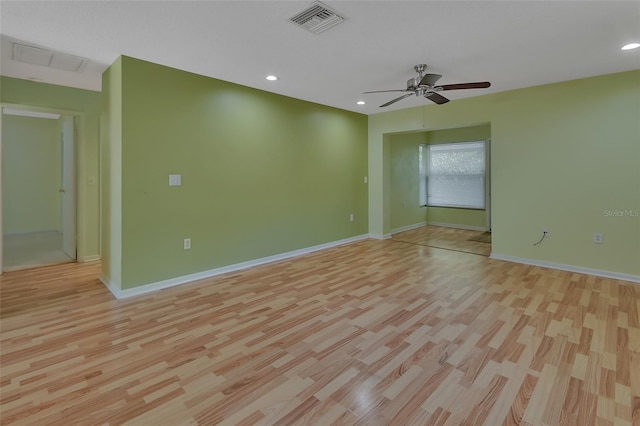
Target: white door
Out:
[68,188]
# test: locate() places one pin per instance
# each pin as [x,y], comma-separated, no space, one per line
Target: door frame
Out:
[78,122]
[487,183]
[68,204]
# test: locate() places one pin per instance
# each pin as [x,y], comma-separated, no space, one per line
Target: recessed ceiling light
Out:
[630,46]
[272,78]
[360,102]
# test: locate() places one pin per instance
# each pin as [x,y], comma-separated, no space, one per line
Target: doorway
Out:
[38,188]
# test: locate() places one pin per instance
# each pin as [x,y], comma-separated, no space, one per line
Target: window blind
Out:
[455,175]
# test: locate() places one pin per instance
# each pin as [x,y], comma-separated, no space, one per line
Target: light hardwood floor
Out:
[445,238]
[371,333]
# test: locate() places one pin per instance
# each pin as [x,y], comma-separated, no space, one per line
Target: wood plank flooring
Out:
[445,238]
[370,333]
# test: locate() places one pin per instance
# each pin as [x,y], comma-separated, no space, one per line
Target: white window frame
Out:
[424,175]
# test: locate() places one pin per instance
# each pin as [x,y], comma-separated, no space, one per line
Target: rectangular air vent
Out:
[48,58]
[317,18]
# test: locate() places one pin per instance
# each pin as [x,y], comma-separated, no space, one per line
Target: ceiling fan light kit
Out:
[425,85]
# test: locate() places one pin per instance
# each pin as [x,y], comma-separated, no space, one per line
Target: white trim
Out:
[91,258]
[408,227]
[570,268]
[458,226]
[112,287]
[380,237]
[27,113]
[115,289]
[487,185]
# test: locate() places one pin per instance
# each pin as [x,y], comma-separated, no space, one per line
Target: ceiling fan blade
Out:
[396,100]
[478,85]
[437,98]
[429,79]
[383,91]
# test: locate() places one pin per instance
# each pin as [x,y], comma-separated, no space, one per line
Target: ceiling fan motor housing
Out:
[413,83]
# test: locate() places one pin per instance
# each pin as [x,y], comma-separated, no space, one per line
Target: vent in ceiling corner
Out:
[48,58]
[317,18]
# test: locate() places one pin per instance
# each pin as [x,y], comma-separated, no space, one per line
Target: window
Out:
[453,175]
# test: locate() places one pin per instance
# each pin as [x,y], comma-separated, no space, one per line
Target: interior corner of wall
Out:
[114,286]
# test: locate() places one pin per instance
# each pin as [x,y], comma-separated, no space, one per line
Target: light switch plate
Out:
[175,180]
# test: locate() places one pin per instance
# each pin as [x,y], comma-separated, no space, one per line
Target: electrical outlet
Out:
[597,238]
[366,179]
[351,217]
[545,231]
[187,243]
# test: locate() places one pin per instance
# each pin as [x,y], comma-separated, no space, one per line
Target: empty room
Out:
[320,213]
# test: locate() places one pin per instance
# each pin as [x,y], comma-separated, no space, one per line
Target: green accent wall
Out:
[262,174]
[405,183]
[31,174]
[86,104]
[404,180]
[459,134]
[562,156]
[457,217]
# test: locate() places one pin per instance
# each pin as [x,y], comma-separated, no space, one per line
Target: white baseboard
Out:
[569,268]
[458,226]
[380,237]
[408,227]
[91,258]
[116,290]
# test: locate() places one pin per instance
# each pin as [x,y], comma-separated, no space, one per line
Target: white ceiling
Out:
[513,44]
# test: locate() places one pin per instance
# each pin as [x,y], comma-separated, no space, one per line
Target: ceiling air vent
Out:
[317,18]
[48,58]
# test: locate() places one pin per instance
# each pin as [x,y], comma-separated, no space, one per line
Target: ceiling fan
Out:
[425,85]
